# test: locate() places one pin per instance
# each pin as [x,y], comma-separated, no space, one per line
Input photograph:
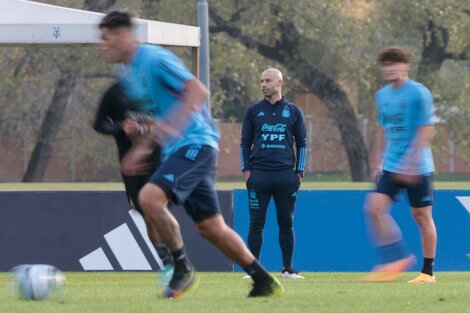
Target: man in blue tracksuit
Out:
[270,165]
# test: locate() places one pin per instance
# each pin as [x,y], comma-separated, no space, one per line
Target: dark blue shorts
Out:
[420,195]
[186,178]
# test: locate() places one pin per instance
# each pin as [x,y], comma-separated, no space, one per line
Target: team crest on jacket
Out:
[286,112]
[252,194]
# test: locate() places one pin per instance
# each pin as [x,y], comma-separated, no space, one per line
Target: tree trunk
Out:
[65,85]
[435,42]
[44,146]
[286,51]
[341,110]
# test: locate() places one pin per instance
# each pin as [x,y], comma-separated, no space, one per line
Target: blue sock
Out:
[393,252]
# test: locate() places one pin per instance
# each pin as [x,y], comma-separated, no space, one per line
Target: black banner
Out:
[92,230]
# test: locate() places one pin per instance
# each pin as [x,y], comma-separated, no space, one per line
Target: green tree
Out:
[330,47]
[438,32]
[302,36]
[68,76]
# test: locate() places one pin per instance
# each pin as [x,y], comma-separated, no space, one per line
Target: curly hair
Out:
[394,55]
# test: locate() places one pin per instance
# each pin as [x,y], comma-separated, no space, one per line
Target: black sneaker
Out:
[290,273]
[273,289]
[181,284]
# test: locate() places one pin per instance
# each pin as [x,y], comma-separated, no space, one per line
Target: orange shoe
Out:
[390,271]
[423,279]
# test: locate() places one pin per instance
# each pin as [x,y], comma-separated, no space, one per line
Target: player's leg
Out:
[133,185]
[394,255]
[421,199]
[259,195]
[154,202]
[423,217]
[160,247]
[383,228]
[176,180]
[231,244]
[285,197]
[203,207]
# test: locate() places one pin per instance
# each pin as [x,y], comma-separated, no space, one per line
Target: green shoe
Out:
[273,289]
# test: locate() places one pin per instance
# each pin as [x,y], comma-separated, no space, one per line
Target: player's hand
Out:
[130,127]
[132,169]
[135,163]
[301,177]
[376,173]
[246,174]
[406,179]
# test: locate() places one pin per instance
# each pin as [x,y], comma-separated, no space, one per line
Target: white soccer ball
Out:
[37,281]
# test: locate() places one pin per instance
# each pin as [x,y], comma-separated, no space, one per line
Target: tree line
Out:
[328,48]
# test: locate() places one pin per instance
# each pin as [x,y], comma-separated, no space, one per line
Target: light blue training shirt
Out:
[401,112]
[155,81]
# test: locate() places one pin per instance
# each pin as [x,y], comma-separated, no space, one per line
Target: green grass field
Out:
[226,292]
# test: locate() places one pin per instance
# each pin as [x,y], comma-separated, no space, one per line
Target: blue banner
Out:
[331,234]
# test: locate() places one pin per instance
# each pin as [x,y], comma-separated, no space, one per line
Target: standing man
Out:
[117,116]
[405,116]
[269,164]
[155,79]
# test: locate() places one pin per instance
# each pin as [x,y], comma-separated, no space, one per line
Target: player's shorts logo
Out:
[169,177]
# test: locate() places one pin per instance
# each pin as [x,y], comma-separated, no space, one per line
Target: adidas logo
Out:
[124,248]
[465,201]
[425,198]
[170,177]
[294,195]
[261,113]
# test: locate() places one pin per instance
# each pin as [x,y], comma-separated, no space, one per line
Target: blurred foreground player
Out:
[157,81]
[403,161]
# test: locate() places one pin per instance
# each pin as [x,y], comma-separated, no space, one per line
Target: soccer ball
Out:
[37,281]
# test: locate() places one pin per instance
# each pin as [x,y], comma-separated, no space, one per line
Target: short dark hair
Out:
[394,55]
[117,19]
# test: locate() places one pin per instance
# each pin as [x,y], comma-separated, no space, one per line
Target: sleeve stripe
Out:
[241,159]
[167,69]
[301,159]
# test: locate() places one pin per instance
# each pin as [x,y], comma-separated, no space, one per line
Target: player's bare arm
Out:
[378,147]
[175,123]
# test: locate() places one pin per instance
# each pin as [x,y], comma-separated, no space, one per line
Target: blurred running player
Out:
[403,160]
[157,81]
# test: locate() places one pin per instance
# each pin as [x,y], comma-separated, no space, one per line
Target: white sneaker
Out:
[247,277]
[291,273]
